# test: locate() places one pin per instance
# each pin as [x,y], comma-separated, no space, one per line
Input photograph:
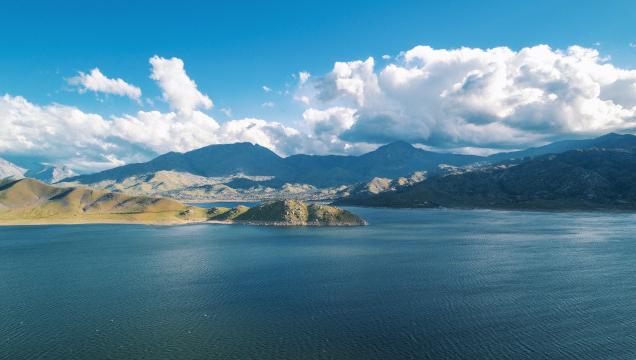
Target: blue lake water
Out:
[423,284]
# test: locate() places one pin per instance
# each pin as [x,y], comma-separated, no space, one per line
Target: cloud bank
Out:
[483,98]
[88,142]
[467,99]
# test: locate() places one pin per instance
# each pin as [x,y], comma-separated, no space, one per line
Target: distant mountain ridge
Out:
[43,172]
[10,170]
[607,141]
[590,179]
[394,160]
[49,174]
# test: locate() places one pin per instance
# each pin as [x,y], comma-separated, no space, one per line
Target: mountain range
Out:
[392,160]
[247,171]
[608,141]
[588,179]
[243,171]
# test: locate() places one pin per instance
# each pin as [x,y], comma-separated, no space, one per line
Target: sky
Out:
[93,85]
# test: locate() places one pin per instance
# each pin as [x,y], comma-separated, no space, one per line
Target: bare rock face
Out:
[382,185]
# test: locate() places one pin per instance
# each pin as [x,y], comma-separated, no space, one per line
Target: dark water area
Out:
[421,284]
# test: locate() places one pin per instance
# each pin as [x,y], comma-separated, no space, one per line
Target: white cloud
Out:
[468,99]
[303,99]
[273,135]
[330,122]
[266,88]
[268,104]
[66,135]
[227,112]
[178,90]
[350,80]
[479,98]
[97,82]
[325,127]
[54,132]
[162,132]
[386,57]
[303,76]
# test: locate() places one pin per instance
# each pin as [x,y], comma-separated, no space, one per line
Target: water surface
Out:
[423,284]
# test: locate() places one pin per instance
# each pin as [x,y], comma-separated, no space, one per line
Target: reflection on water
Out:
[413,284]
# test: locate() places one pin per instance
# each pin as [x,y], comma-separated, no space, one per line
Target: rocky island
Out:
[31,202]
[287,212]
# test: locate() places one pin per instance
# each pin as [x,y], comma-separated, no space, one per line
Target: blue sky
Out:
[233,50]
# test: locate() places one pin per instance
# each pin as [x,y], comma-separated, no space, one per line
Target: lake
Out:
[421,284]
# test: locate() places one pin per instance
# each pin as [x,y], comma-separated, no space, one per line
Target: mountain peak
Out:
[611,135]
[396,146]
[614,135]
[10,170]
[50,173]
[237,146]
[614,140]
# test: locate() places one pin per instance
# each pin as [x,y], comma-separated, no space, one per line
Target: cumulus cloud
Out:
[329,123]
[66,135]
[178,90]
[55,132]
[468,100]
[326,126]
[273,135]
[479,98]
[97,82]
[266,88]
[353,80]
